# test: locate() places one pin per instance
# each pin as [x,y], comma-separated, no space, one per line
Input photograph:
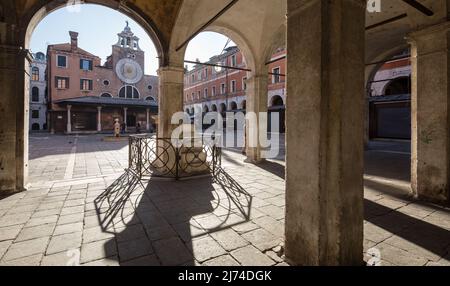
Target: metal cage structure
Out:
[150,156]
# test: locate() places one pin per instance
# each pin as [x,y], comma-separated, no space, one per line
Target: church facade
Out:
[86,96]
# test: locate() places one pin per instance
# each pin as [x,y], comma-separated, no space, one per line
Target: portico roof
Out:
[112,102]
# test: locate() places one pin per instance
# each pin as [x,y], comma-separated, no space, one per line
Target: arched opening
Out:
[91,78]
[389,94]
[35,94]
[205,109]
[218,62]
[150,98]
[35,74]
[233,106]
[277,101]
[398,86]
[35,127]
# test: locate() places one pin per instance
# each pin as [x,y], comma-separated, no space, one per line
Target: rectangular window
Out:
[244,83]
[35,114]
[214,91]
[276,75]
[85,65]
[233,86]
[62,61]
[200,77]
[233,61]
[206,73]
[222,88]
[61,82]
[193,78]
[86,84]
[206,93]
[199,95]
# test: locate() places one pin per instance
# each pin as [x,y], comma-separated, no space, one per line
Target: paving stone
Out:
[262,239]
[68,228]
[98,250]
[96,234]
[33,260]
[130,233]
[46,213]
[245,227]
[160,233]
[229,239]
[4,245]
[39,231]
[399,256]
[72,210]
[69,219]
[205,248]
[250,256]
[10,232]
[150,260]
[26,248]
[71,258]
[271,225]
[74,203]
[64,242]
[273,211]
[42,221]
[15,219]
[222,261]
[112,261]
[172,252]
[375,233]
[134,249]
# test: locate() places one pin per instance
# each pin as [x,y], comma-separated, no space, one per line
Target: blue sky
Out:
[98,27]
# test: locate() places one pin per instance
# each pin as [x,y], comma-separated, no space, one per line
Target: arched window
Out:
[277,101]
[150,98]
[35,127]
[223,108]
[244,105]
[214,108]
[233,106]
[40,56]
[401,85]
[35,74]
[129,92]
[35,94]
[106,95]
[205,109]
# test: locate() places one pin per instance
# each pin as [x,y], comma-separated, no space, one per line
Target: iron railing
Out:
[150,156]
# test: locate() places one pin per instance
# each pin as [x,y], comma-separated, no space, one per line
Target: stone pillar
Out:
[148,119]
[99,119]
[171,80]
[14,110]
[325,124]
[125,115]
[431,113]
[256,103]
[69,119]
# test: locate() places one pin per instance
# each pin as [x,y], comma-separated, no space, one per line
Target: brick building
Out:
[38,93]
[212,88]
[390,99]
[86,96]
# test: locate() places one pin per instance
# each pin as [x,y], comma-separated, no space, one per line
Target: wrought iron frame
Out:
[150,156]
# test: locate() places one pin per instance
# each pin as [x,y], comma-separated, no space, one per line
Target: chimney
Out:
[73,40]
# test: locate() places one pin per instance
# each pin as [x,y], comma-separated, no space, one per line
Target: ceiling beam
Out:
[420,7]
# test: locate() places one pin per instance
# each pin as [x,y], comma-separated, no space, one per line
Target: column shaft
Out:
[325,124]
[69,119]
[99,119]
[431,113]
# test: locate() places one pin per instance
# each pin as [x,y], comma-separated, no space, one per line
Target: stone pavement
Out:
[83,209]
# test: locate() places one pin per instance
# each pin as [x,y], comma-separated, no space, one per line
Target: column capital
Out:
[170,74]
[125,108]
[99,108]
[69,107]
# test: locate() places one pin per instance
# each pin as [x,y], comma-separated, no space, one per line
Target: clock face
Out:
[129,71]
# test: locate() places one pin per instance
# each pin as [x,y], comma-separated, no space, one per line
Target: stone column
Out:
[430,113]
[14,110]
[256,103]
[125,115]
[325,124]
[69,119]
[171,80]
[99,119]
[148,119]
